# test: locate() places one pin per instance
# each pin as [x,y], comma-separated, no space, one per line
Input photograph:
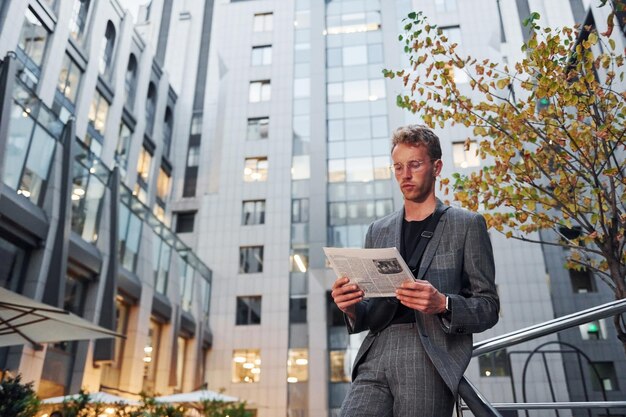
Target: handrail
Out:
[561,405]
[479,405]
[548,327]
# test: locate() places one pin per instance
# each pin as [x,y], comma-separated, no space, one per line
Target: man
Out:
[420,342]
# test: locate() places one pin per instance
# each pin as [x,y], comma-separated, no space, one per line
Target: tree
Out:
[551,131]
[17,399]
[218,408]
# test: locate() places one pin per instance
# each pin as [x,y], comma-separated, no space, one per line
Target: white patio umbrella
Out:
[23,320]
[195,397]
[94,397]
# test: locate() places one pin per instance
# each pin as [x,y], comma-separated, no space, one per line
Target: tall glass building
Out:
[246,136]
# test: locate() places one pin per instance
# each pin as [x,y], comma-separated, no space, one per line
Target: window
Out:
[260,91]
[151,355]
[69,78]
[87,193]
[29,153]
[78,20]
[338,367]
[12,266]
[495,364]
[353,22]
[300,210]
[250,259]
[248,310]
[358,90]
[301,167]
[354,55]
[465,154]
[258,128]
[130,81]
[193,156]
[150,108]
[253,212]
[123,145]
[246,365]
[108,44]
[605,371]
[261,55]
[163,185]
[185,222]
[297,310]
[181,358]
[143,172]
[161,253]
[255,169]
[582,281]
[98,112]
[446,5]
[168,124]
[129,238]
[263,22]
[196,124]
[298,365]
[186,272]
[595,330]
[33,38]
[299,260]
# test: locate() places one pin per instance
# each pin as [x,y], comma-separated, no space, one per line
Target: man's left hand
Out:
[421,296]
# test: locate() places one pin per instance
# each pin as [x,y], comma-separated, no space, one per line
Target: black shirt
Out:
[411,235]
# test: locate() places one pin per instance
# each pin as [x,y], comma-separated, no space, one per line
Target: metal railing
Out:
[481,407]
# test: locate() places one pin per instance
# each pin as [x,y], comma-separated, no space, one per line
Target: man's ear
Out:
[438,167]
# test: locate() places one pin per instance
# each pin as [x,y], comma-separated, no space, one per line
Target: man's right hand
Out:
[346,295]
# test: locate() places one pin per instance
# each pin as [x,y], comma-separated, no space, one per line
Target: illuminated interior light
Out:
[255,370]
[373,98]
[248,365]
[239,359]
[299,262]
[79,191]
[148,349]
[292,379]
[302,361]
[147,359]
[247,171]
[25,193]
[256,176]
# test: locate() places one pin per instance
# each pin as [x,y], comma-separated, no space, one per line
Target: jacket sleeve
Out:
[360,324]
[476,308]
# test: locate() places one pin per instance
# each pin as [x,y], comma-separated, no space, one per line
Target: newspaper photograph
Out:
[378,272]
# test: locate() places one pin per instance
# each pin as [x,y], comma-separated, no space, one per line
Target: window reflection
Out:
[338,366]
[129,237]
[151,356]
[78,20]
[186,273]
[87,193]
[161,252]
[258,128]
[69,79]
[33,37]
[98,112]
[260,91]
[36,170]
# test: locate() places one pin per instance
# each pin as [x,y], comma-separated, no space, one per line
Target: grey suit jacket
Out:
[458,261]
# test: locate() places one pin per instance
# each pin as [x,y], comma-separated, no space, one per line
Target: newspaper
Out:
[378,272]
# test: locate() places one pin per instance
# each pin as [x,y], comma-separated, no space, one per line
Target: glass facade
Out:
[78,20]
[69,79]
[88,188]
[29,150]
[32,45]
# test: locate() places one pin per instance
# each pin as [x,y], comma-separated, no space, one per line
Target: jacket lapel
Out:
[431,248]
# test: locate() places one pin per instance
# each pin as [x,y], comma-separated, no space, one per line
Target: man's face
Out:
[415,171]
